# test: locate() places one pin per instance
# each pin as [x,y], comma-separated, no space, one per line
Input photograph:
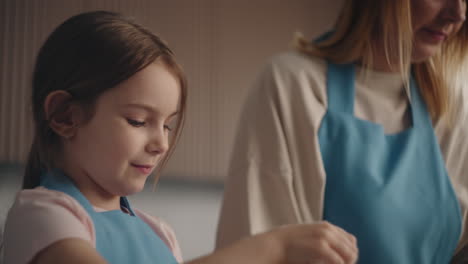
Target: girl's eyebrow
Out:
[147,108]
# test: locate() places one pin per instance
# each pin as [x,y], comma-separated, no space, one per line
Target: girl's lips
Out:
[145,169]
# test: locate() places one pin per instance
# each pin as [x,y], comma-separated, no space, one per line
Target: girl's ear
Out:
[63,115]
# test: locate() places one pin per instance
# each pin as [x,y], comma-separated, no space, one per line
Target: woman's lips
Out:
[436,35]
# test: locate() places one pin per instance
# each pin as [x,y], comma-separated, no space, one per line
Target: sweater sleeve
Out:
[453,142]
[39,218]
[276,161]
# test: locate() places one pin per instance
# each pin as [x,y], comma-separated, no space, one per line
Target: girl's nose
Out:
[158,143]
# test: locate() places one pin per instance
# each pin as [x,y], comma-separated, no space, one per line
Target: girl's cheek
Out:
[132,137]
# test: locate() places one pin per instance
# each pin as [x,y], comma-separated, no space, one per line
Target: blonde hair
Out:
[362,23]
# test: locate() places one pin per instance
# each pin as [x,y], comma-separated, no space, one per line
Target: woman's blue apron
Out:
[120,237]
[391,191]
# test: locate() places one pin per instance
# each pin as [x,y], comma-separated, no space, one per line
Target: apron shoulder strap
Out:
[340,87]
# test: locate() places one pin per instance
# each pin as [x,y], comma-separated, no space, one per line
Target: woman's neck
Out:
[380,62]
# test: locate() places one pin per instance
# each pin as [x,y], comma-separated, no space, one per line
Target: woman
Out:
[355,129]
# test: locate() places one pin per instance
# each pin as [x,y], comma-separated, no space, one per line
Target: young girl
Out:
[108,104]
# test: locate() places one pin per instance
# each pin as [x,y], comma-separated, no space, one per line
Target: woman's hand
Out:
[320,242]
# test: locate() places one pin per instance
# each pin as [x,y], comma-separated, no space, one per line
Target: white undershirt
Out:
[381,97]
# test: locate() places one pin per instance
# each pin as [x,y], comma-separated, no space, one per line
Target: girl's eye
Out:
[135,123]
[168,128]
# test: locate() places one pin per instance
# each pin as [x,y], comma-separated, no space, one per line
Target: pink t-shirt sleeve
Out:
[39,218]
[164,231]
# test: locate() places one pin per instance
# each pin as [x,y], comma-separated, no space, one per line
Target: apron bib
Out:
[391,191]
[120,238]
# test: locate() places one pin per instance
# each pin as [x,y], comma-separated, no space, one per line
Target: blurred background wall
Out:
[221,44]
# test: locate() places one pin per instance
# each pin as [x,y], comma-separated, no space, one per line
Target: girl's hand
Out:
[71,251]
[315,243]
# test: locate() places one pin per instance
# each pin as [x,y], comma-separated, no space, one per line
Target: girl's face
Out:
[433,22]
[128,134]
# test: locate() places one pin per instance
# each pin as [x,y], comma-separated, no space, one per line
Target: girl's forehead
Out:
[154,86]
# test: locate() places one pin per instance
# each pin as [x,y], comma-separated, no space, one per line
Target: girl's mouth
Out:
[144,169]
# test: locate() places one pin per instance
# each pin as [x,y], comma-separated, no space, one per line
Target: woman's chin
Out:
[424,52]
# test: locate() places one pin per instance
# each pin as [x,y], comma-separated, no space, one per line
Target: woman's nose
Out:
[455,11]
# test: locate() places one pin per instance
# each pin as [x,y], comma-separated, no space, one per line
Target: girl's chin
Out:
[130,189]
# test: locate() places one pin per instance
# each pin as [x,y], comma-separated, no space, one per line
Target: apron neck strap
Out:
[57,180]
[340,87]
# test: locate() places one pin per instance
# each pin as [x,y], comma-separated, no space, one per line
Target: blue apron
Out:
[120,237]
[391,191]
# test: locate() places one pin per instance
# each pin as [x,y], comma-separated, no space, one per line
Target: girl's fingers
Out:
[345,235]
[329,254]
[322,241]
[343,243]
[350,239]
[347,253]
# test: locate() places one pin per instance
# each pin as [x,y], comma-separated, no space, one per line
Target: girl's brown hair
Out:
[362,23]
[85,56]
